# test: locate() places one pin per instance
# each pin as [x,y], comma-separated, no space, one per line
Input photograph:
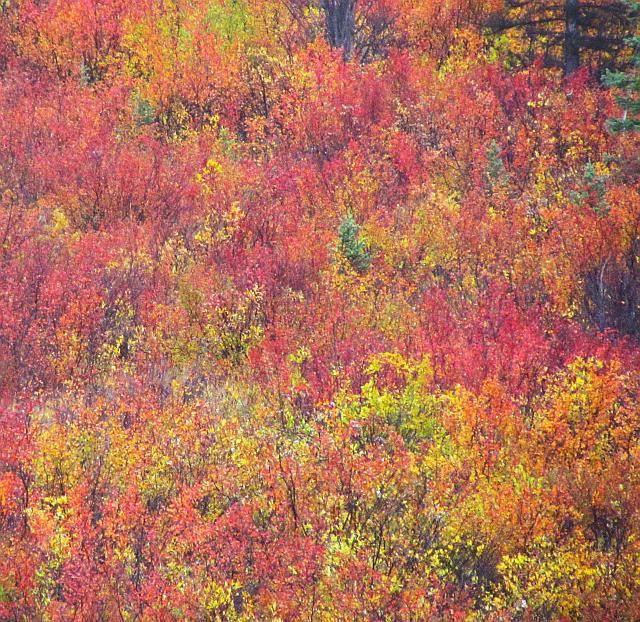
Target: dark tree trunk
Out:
[340,16]
[571,36]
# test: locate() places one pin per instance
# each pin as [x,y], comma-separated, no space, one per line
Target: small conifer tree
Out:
[627,85]
[351,246]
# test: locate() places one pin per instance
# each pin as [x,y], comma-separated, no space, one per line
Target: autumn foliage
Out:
[318,310]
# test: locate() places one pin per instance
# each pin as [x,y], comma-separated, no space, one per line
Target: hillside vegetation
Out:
[319,311]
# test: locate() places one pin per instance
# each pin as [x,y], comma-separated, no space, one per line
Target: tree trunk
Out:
[340,16]
[571,36]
